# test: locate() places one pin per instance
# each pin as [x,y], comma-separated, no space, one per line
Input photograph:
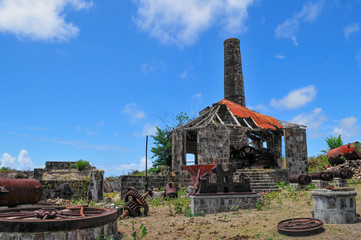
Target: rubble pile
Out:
[354,165]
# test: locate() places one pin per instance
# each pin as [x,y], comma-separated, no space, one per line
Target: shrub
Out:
[317,163]
[82,164]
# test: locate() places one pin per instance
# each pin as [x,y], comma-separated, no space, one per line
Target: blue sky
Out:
[90,79]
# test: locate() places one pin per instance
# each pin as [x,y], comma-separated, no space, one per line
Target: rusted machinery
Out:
[324,176]
[342,173]
[300,226]
[171,190]
[198,170]
[349,151]
[19,191]
[135,204]
[301,179]
[224,183]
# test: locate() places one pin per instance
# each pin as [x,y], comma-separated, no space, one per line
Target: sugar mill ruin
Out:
[238,155]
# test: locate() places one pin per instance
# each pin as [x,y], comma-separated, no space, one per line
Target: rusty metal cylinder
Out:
[342,173]
[171,190]
[349,151]
[19,191]
[300,179]
[324,176]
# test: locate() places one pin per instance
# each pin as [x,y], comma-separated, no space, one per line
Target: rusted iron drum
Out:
[324,176]
[19,191]
[343,173]
[302,179]
[349,151]
[171,190]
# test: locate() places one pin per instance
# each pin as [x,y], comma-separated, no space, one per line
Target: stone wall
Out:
[122,183]
[213,145]
[178,150]
[62,180]
[296,150]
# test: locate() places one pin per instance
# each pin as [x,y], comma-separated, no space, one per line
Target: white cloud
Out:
[39,19]
[149,129]
[295,98]
[197,96]
[23,161]
[87,131]
[280,56]
[152,66]
[186,72]
[347,127]
[313,120]
[290,26]
[351,28]
[135,166]
[7,160]
[181,22]
[133,112]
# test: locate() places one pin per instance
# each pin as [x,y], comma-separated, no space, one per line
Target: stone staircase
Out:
[260,181]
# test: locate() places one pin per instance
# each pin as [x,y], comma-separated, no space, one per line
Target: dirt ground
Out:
[238,224]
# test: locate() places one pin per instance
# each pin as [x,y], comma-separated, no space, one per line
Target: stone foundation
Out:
[320,184]
[222,203]
[109,230]
[335,207]
[339,182]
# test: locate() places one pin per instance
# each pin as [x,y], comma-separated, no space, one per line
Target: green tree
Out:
[334,142]
[163,148]
[163,143]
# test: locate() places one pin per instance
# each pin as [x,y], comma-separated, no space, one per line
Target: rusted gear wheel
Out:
[132,207]
[134,196]
[300,226]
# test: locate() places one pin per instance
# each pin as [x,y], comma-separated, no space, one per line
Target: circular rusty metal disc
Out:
[93,217]
[300,226]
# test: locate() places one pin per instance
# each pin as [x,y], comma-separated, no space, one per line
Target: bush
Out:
[317,163]
[82,164]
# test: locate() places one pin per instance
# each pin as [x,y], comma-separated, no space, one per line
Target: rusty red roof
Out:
[263,121]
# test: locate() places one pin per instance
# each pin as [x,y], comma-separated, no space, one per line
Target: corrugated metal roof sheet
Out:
[263,121]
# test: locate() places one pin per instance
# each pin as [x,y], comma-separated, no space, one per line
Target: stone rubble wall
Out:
[296,150]
[213,145]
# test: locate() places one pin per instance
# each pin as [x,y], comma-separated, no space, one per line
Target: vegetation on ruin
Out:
[317,163]
[82,164]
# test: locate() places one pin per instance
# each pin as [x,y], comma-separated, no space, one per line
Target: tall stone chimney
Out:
[233,76]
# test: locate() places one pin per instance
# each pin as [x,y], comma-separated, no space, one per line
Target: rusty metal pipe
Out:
[19,191]
[300,179]
[324,176]
[343,173]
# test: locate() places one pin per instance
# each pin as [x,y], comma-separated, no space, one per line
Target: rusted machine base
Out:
[300,226]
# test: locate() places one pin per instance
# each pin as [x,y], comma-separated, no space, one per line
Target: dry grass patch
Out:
[238,224]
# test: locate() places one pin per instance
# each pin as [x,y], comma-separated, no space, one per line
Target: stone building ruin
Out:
[229,132]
